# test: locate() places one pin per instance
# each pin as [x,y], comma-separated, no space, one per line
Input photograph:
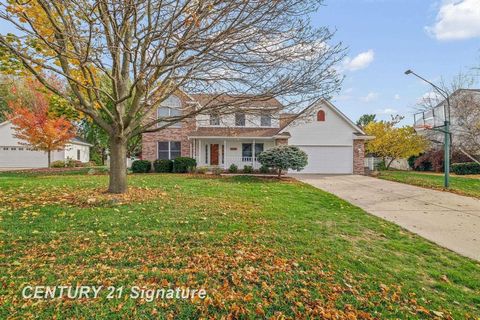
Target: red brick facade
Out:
[151,139]
[358,157]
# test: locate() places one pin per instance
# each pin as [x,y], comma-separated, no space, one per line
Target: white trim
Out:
[80,143]
[363,138]
[253,152]
[225,154]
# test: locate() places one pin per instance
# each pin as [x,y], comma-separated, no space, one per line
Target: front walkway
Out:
[450,220]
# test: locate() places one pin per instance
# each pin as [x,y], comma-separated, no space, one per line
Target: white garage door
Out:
[22,157]
[329,160]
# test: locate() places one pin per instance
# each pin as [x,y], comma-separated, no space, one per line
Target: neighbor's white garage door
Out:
[328,160]
[21,157]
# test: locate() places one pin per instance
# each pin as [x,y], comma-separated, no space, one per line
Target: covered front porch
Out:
[223,152]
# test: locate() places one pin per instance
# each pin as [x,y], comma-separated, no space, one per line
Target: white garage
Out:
[329,160]
[333,143]
[14,153]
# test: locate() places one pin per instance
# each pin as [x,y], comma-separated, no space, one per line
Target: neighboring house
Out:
[464,120]
[334,144]
[16,153]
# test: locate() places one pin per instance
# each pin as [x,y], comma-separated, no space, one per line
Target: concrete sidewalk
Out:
[450,220]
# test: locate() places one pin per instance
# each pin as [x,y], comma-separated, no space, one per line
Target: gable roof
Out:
[334,109]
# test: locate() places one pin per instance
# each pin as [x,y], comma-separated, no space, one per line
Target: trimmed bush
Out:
[217,171]
[247,169]
[233,168]
[57,164]
[184,165]
[201,170]
[163,165]
[264,169]
[141,166]
[284,158]
[466,168]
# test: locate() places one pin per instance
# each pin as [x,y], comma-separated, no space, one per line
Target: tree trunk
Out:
[49,157]
[103,154]
[390,163]
[279,173]
[118,165]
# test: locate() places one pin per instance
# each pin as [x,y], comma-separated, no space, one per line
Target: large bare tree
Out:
[150,49]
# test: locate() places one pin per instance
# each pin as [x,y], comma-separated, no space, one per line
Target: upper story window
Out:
[170,107]
[321,115]
[240,119]
[214,119]
[266,120]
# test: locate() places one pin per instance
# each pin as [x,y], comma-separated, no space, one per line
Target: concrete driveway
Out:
[447,219]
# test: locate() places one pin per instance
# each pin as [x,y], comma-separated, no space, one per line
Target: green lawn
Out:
[469,186]
[259,248]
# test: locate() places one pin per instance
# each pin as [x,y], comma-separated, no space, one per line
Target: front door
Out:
[214,154]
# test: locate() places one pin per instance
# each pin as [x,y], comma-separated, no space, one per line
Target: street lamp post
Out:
[446,127]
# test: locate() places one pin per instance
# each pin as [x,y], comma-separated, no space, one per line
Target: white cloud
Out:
[387,111]
[361,61]
[396,97]
[457,20]
[370,97]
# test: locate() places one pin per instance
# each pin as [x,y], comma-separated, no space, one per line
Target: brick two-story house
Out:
[334,144]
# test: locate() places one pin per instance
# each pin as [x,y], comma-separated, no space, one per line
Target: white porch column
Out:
[253,154]
[200,151]
[225,154]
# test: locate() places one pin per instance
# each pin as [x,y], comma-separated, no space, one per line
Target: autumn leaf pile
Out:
[168,234]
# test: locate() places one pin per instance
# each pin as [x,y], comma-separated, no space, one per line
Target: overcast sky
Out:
[437,39]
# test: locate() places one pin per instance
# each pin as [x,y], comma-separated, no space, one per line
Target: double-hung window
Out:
[266,120]
[169,150]
[214,119]
[169,109]
[240,119]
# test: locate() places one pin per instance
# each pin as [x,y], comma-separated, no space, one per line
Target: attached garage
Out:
[329,159]
[333,143]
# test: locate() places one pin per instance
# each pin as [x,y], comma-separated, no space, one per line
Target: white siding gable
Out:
[334,131]
[6,135]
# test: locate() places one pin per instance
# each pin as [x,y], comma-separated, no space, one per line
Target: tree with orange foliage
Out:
[34,124]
